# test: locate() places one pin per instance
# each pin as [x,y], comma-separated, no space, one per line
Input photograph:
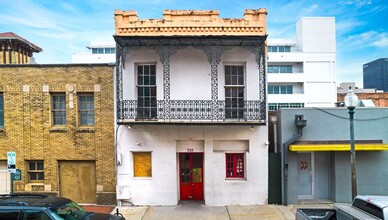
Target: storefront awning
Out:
[338,147]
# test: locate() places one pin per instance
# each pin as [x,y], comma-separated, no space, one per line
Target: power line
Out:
[359,119]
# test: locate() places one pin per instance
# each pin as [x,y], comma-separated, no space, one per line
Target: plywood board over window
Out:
[78,180]
[142,164]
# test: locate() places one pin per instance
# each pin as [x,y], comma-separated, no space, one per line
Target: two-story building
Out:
[59,120]
[191,108]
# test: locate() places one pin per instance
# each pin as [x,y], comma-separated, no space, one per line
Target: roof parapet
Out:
[191,23]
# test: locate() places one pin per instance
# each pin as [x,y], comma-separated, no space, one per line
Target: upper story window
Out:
[277,89]
[234,91]
[277,106]
[146,91]
[235,165]
[108,50]
[279,49]
[35,170]
[1,110]
[58,108]
[279,68]
[86,109]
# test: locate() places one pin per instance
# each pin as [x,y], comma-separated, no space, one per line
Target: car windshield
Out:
[69,211]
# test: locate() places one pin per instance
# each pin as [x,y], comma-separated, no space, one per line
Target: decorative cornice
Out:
[191,23]
[137,41]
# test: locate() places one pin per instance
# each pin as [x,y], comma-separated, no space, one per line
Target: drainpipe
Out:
[300,123]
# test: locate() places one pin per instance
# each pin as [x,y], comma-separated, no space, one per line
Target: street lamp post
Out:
[351,101]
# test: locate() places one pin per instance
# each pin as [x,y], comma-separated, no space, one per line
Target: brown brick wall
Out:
[106,198]
[28,126]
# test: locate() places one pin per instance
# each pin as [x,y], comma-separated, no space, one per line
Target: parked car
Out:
[43,207]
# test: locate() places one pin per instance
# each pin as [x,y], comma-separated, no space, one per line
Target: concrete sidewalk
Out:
[199,211]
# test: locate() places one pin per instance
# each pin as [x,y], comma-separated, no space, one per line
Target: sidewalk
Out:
[199,211]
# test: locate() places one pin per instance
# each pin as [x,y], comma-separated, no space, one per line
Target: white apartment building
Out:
[301,71]
[98,52]
[191,108]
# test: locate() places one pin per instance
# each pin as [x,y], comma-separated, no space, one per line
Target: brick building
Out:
[16,50]
[379,99]
[59,119]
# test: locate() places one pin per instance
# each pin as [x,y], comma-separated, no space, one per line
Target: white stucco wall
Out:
[166,141]
[190,75]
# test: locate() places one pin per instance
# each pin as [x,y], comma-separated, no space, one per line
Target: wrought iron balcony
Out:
[195,111]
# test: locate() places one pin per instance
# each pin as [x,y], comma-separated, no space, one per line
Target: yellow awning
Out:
[338,147]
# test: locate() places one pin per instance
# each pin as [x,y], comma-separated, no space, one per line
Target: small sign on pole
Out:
[11,161]
[17,175]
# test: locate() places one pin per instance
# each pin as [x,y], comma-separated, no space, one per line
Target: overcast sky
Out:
[62,28]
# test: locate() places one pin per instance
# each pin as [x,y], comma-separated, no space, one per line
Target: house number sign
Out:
[190,150]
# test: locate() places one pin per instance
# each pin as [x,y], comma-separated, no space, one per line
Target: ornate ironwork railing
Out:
[192,110]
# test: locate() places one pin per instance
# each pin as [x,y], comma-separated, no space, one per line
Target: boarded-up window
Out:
[142,164]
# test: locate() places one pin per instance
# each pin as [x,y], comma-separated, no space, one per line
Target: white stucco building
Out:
[301,71]
[191,108]
[98,52]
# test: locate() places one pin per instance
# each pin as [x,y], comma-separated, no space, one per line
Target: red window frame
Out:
[235,165]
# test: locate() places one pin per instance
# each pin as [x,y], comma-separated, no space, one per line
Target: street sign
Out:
[11,161]
[17,175]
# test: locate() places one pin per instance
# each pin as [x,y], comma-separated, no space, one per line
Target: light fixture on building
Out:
[351,101]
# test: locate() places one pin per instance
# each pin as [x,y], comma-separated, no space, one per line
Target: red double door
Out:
[191,176]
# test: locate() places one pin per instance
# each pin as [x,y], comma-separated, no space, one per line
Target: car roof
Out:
[31,200]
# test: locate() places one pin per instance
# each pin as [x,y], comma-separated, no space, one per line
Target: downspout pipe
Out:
[300,123]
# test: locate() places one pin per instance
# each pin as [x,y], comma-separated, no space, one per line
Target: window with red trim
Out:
[235,165]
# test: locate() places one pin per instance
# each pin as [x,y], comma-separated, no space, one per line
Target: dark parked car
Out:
[43,207]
